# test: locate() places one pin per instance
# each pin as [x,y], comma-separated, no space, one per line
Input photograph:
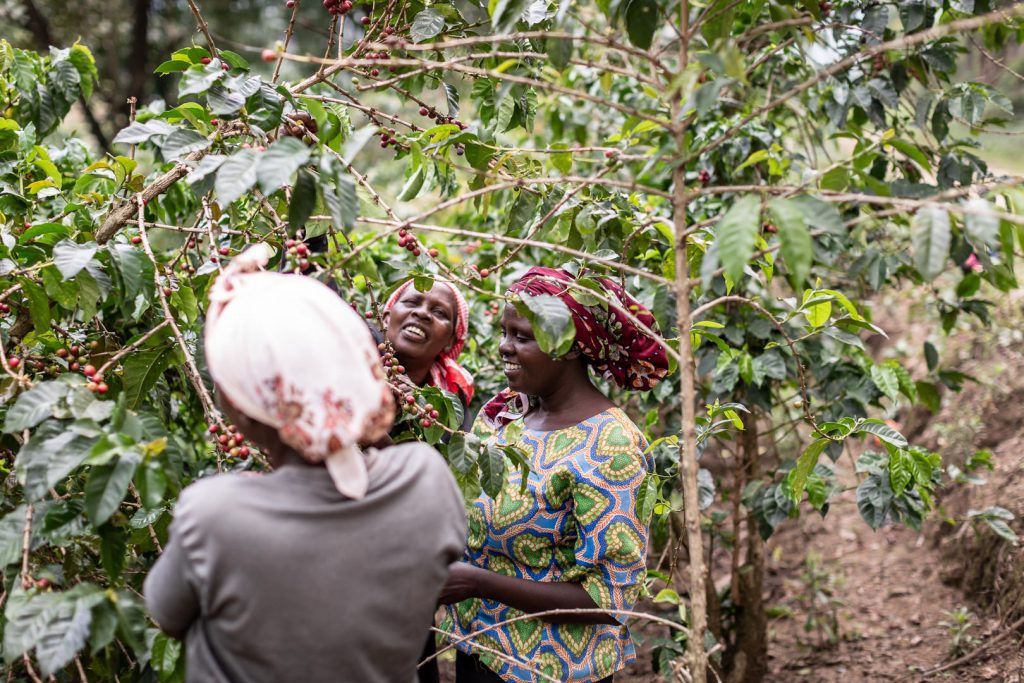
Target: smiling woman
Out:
[568,537]
[428,331]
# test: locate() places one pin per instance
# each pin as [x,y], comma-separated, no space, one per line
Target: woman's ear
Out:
[384,319]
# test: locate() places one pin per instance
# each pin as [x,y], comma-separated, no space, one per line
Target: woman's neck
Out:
[568,403]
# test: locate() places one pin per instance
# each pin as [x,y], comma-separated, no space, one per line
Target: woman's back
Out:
[295,582]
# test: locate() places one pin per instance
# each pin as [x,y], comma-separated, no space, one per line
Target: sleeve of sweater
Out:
[170,589]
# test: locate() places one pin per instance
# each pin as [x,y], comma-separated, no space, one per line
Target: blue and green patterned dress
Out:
[575,522]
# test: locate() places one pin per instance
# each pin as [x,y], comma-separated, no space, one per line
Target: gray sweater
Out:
[281,578]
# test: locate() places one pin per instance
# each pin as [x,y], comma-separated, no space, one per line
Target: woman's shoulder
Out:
[410,458]
[614,427]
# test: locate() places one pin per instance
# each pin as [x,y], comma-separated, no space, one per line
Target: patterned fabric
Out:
[313,374]
[575,522]
[615,346]
[446,373]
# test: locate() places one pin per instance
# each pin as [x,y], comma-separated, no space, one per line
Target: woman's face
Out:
[422,324]
[528,369]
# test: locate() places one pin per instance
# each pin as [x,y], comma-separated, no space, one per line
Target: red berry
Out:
[433,253]
[239,437]
[213,122]
[102,388]
[62,353]
[375,72]
[400,369]
[434,414]
[387,29]
[224,251]
[205,60]
[303,264]
[213,259]
[42,583]
[268,55]
[224,66]
[426,422]
[222,439]
[290,4]
[74,367]
[410,399]
[232,429]
[243,452]
[484,272]
[14,362]
[75,350]
[403,232]
[704,177]
[136,239]
[213,429]
[168,291]
[365,21]
[416,251]
[89,370]
[368,314]
[91,386]
[609,153]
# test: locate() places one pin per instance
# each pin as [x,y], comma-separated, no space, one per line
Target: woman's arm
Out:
[466,581]
[170,597]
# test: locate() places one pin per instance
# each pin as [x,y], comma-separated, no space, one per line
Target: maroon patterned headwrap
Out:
[613,344]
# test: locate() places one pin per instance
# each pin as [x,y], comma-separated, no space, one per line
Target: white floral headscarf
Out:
[289,353]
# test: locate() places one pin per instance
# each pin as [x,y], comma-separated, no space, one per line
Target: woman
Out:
[428,332]
[329,567]
[572,538]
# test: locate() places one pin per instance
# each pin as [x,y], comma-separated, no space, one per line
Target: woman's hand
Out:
[462,583]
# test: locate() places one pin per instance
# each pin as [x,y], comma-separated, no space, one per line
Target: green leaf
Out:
[12,528]
[236,175]
[641,22]
[463,451]
[50,455]
[71,257]
[883,432]
[303,200]
[505,13]
[113,548]
[796,239]
[886,380]
[413,184]
[65,632]
[182,142]
[737,235]
[151,482]
[198,78]
[900,474]
[136,270]
[141,371]
[797,478]
[279,162]
[981,222]
[38,305]
[172,66]
[166,657]
[551,320]
[425,25]
[224,101]
[343,202]
[930,238]
[106,487]
[492,469]
[137,133]
[928,395]
[34,406]
[559,52]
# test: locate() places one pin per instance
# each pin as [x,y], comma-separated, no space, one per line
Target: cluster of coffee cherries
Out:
[407,400]
[77,361]
[223,65]
[492,308]
[406,240]
[230,441]
[4,308]
[387,138]
[296,255]
[704,176]
[338,7]
[878,63]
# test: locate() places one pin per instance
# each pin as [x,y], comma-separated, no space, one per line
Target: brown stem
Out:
[203,27]
[696,656]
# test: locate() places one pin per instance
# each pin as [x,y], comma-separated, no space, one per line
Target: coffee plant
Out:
[753,171]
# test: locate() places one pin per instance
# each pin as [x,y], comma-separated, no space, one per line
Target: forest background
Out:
[760,173]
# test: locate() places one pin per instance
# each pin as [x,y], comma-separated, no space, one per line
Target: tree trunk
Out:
[749,661]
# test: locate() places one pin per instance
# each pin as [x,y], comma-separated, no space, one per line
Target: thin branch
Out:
[203,27]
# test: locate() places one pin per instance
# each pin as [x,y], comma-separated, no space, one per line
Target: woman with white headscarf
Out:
[329,568]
